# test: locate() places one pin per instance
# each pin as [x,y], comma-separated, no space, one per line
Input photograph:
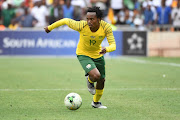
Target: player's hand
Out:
[46,29]
[103,51]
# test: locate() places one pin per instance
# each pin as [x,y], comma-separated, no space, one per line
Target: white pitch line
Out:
[149,62]
[118,89]
[40,89]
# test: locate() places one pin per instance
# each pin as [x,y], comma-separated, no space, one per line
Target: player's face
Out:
[92,20]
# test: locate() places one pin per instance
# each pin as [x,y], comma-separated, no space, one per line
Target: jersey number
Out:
[92,42]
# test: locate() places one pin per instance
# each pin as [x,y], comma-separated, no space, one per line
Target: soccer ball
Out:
[73,101]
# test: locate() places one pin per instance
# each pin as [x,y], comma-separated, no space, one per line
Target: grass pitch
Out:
[135,89]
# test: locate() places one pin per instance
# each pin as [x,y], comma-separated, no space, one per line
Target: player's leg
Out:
[94,75]
[94,72]
[100,64]
[89,67]
[99,90]
[100,84]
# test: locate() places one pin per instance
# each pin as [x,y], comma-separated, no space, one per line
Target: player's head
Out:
[94,16]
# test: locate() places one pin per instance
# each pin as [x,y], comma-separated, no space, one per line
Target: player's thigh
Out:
[100,64]
[87,63]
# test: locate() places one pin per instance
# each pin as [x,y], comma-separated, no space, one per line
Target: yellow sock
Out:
[98,95]
[90,80]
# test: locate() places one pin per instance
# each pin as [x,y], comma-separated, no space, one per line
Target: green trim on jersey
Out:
[88,64]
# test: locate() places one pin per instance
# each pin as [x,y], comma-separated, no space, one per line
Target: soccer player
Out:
[89,51]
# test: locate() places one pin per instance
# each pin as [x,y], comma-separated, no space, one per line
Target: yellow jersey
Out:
[89,42]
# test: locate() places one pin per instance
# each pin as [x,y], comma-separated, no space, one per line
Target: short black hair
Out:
[99,13]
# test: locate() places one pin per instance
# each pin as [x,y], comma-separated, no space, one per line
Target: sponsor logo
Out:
[92,36]
[39,43]
[135,42]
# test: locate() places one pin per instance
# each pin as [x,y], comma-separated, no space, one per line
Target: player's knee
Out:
[96,77]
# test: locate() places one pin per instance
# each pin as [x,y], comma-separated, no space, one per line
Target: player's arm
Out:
[111,40]
[75,25]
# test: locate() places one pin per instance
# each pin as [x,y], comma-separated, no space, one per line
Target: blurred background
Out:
[151,25]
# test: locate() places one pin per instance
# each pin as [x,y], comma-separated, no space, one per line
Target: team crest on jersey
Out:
[100,37]
[88,66]
[92,36]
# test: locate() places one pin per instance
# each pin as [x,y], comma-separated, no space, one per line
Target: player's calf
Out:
[100,83]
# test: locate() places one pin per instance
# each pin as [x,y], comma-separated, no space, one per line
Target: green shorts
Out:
[89,63]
